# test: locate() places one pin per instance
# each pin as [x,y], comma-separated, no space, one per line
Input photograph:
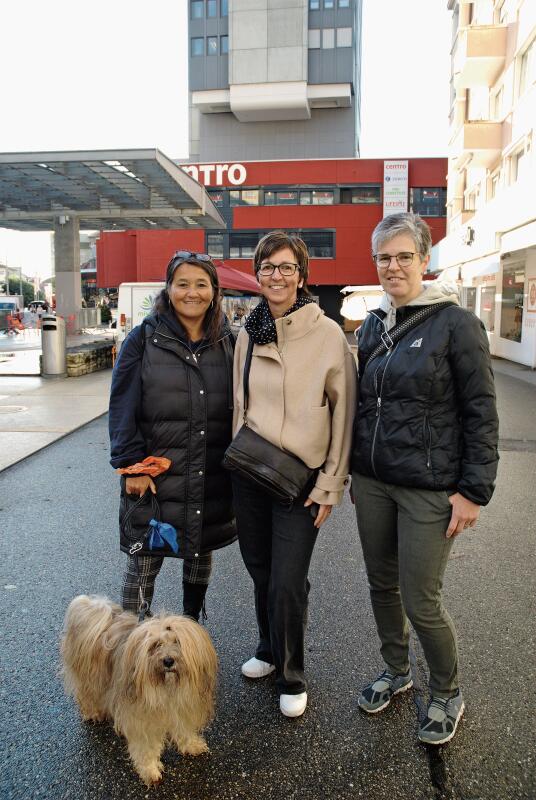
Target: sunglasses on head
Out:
[186,254]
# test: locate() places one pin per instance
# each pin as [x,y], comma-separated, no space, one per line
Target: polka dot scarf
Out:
[261,325]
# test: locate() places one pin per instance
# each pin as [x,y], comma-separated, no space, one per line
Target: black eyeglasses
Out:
[383,261]
[186,254]
[287,269]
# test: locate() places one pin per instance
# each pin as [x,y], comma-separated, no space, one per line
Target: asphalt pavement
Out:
[58,512]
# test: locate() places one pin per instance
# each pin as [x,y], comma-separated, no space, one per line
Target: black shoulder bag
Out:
[282,475]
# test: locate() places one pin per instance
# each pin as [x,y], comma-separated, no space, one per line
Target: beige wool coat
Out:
[302,395]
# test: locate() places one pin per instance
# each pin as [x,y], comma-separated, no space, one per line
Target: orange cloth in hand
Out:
[152,465]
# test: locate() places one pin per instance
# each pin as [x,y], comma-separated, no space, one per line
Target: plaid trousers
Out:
[195,570]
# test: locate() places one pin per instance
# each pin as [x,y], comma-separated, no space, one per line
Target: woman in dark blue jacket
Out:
[171,397]
[424,460]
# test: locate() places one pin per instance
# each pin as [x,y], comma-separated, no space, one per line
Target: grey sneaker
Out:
[378,694]
[442,717]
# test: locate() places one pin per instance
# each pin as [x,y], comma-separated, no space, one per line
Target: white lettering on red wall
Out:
[213,174]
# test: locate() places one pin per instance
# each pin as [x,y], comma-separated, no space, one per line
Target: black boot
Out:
[193,601]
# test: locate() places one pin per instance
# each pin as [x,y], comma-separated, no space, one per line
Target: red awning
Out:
[234,279]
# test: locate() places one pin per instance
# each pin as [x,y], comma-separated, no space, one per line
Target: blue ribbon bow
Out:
[161,534]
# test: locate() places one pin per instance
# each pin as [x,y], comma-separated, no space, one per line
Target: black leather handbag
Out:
[282,475]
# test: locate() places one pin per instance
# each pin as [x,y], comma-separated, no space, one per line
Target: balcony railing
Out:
[477,142]
[479,56]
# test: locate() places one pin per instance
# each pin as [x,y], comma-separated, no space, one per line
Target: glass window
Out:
[224,8]
[217,198]
[319,243]
[512,301]
[329,3]
[280,198]
[242,245]
[215,245]
[197,9]
[468,298]
[527,74]
[314,5]
[344,3]
[487,307]
[498,100]
[316,198]
[519,165]
[344,37]
[328,38]
[212,45]
[361,194]
[244,197]
[429,202]
[495,182]
[197,46]
[224,45]
[314,38]
[212,8]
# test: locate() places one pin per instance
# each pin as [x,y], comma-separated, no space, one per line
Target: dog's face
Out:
[154,651]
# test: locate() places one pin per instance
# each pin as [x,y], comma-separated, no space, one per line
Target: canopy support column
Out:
[67,266]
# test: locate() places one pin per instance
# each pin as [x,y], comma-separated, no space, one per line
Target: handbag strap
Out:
[390,338]
[247,367]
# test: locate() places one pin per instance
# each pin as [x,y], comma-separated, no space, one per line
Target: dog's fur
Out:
[155,680]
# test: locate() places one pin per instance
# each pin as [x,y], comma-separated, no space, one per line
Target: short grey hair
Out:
[405,223]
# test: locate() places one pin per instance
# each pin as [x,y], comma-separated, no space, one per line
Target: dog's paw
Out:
[150,773]
[193,747]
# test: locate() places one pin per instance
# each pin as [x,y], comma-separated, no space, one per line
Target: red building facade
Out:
[334,204]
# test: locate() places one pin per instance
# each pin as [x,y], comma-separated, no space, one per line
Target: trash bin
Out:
[53,342]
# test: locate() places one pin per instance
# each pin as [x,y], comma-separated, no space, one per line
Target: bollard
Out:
[53,341]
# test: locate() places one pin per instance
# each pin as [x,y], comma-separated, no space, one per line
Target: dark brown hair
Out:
[213,316]
[278,240]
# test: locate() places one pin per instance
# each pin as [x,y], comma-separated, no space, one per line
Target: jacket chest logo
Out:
[416,343]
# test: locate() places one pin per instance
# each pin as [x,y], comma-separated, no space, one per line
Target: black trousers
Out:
[277,543]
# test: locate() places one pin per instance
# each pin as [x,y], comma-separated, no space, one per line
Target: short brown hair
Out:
[277,240]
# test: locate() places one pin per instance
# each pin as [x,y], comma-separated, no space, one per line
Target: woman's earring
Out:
[212,303]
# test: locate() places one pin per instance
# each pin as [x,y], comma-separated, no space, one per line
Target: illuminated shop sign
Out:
[212,174]
[395,187]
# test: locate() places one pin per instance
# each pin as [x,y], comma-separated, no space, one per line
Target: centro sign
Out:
[212,174]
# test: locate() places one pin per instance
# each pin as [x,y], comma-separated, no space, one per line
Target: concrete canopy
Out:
[103,190]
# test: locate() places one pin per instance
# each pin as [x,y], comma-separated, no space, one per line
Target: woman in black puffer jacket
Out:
[424,460]
[171,397]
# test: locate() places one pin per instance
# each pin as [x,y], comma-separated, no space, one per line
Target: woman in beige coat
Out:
[302,388]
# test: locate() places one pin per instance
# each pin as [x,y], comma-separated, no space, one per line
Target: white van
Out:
[134,303]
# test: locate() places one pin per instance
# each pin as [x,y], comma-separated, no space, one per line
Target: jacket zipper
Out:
[378,406]
[427,437]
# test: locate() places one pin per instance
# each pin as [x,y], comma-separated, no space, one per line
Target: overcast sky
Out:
[113,74]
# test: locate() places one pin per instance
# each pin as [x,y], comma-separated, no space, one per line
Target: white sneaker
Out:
[255,668]
[293,705]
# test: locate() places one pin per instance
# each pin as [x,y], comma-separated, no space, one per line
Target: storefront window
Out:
[242,245]
[217,198]
[316,198]
[361,194]
[487,307]
[430,202]
[280,198]
[512,301]
[468,298]
[319,243]
[215,245]
[244,197]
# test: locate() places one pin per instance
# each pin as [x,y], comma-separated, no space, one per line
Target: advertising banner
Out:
[395,187]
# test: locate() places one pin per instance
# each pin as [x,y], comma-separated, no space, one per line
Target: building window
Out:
[468,298]
[344,37]
[242,245]
[314,38]
[344,3]
[224,8]
[361,194]
[212,45]
[280,198]
[527,73]
[197,9]
[319,243]
[212,8]
[217,198]
[512,301]
[519,164]
[498,100]
[429,202]
[197,46]
[314,5]
[224,45]
[328,38]
[316,198]
[487,307]
[494,183]
[244,197]
[329,4]
[215,245]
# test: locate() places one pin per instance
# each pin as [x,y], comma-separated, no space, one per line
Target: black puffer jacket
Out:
[427,415]
[166,401]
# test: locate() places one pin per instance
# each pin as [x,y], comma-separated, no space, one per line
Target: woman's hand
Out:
[323,512]
[139,485]
[464,514]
